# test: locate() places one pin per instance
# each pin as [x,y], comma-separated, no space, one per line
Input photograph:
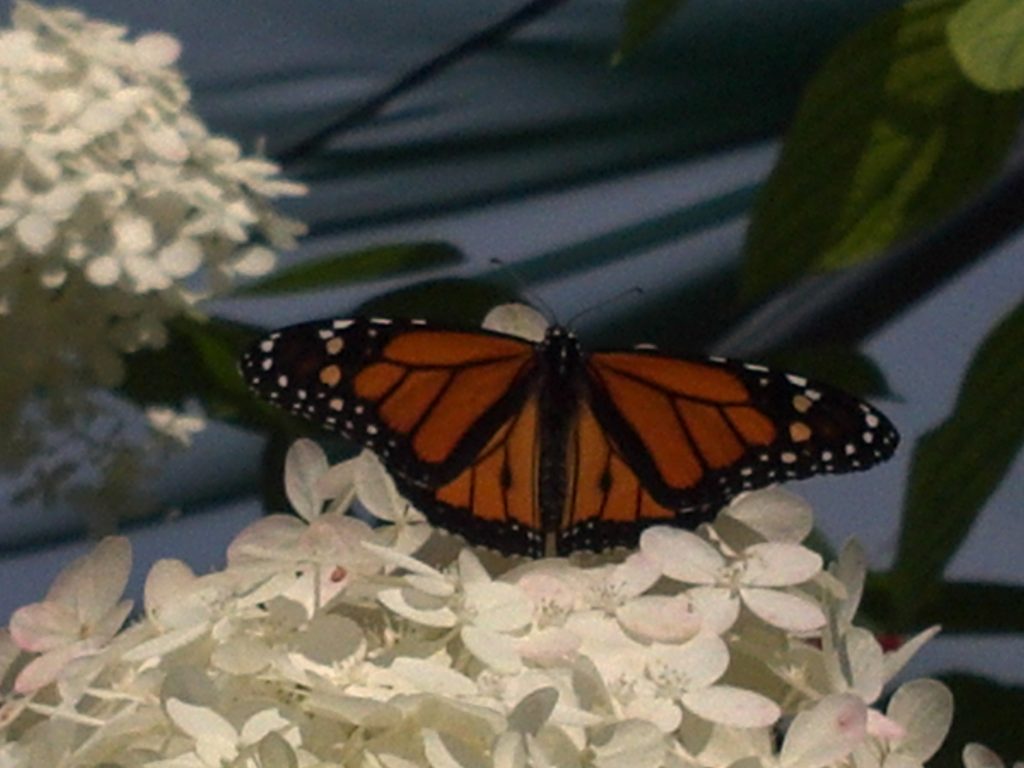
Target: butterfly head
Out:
[561,350]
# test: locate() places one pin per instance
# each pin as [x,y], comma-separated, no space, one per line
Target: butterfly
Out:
[539,447]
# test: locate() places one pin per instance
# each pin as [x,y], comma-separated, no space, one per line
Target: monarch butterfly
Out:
[540,448]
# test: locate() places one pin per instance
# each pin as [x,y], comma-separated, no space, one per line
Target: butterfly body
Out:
[544,448]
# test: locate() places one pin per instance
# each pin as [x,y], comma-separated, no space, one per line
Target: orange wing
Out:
[493,501]
[698,431]
[606,504]
[427,400]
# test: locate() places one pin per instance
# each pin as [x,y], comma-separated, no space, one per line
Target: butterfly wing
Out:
[607,505]
[699,431]
[494,500]
[427,400]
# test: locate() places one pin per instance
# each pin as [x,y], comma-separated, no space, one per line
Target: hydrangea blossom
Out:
[118,211]
[327,640]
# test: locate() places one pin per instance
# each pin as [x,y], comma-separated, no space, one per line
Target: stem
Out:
[370,108]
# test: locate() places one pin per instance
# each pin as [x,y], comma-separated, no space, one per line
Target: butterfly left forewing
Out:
[699,431]
[425,399]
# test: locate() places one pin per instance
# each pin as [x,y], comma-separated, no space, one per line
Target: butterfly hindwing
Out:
[494,500]
[699,431]
[606,503]
[426,400]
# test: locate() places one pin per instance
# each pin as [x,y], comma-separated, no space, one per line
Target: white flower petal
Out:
[734,707]
[851,568]
[431,677]
[550,646]
[430,615]
[882,727]
[157,49]
[44,669]
[254,261]
[517,320]
[780,609]
[779,565]
[304,464]
[495,650]
[660,618]
[896,660]
[979,756]
[204,725]
[634,576]
[632,744]
[775,513]
[925,709]
[103,271]
[866,664]
[36,231]
[93,584]
[718,608]
[497,606]
[826,733]
[376,490]
[180,258]
[43,626]
[693,665]
[262,723]
[682,555]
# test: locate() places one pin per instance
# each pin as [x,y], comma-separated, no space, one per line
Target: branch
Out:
[370,108]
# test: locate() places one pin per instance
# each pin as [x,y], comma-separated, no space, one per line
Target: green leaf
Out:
[200,361]
[890,135]
[987,38]
[641,19]
[957,465]
[342,269]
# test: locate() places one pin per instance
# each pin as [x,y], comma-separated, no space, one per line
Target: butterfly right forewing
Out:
[699,431]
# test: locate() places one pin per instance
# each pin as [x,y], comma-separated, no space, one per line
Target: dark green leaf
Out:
[640,21]
[986,712]
[889,136]
[449,301]
[958,465]
[200,361]
[843,367]
[342,269]
[987,38]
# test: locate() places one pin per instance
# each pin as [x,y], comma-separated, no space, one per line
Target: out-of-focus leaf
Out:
[200,361]
[987,38]
[958,465]
[373,263]
[986,712]
[641,19]
[889,136]
[975,608]
[447,301]
[847,368]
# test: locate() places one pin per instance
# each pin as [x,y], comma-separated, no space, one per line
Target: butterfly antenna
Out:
[525,290]
[636,289]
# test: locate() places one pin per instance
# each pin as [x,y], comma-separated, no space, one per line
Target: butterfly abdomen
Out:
[561,363]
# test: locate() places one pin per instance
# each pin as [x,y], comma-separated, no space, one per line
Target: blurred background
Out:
[734,164]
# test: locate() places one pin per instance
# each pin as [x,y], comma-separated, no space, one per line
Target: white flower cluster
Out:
[118,210]
[327,641]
